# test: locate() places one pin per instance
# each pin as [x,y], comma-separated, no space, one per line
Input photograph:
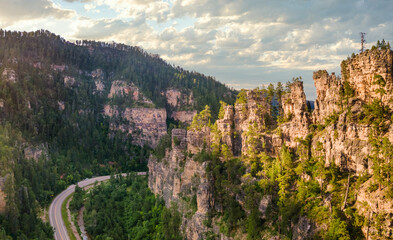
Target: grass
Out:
[65,218]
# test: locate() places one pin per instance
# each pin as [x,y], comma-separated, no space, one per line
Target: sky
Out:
[242,43]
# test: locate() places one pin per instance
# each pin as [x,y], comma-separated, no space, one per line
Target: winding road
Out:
[55,219]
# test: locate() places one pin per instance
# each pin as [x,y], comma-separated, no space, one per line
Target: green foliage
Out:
[202,156]
[170,223]
[344,69]
[77,199]
[381,45]
[222,109]
[176,141]
[27,184]
[164,143]
[381,83]
[331,119]
[225,179]
[337,228]
[201,120]
[241,97]
[125,208]
[346,91]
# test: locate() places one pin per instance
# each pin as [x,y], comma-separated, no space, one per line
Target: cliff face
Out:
[184,116]
[328,95]
[148,125]
[294,105]
[345,140]
[178,178]
[360,72]
[145,125]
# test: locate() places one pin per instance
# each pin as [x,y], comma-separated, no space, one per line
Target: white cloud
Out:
[255,41]
[17,10]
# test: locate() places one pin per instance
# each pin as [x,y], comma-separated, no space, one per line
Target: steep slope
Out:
[323,174]
[83,109]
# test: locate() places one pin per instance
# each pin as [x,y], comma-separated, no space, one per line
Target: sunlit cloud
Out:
[243,43]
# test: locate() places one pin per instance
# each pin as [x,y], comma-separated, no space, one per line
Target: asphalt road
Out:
[55,219]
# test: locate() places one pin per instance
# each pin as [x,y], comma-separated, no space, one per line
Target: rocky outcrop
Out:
[335,132]
[124,89]
[177,99]
[98,76]
[360,71]
[197,140]
[145,125]
[184,116]
[345,144]
[178,178]
[304,229]
[297,118]
[35,152]
[328,95]
[121,88]
[9,75]
[69,81]
[225,126]
[250,119]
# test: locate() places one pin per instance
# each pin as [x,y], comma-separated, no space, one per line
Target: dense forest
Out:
[65,123]
[124,208]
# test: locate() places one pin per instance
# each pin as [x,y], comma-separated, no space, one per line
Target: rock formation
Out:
[360,72]
[184,116]
[176,98]
[328,95]
[9,75]
[145,125]
[297,117]
[336,134]
[177,177]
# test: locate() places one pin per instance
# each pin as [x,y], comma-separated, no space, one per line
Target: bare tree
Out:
[362,40]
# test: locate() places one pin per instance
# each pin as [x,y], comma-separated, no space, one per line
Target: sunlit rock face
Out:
[184,116]
[328,95]
[360,72]
[145,125]
[294,105]
[177,176]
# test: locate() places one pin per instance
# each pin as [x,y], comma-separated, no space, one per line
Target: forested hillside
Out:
[54,130]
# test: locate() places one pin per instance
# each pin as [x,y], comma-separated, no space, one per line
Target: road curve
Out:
[55,219]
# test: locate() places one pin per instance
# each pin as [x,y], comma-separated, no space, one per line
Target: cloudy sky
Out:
[243,43]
